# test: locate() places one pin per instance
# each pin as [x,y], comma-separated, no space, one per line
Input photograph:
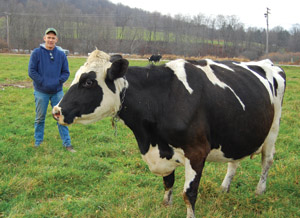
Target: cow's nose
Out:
[56,113]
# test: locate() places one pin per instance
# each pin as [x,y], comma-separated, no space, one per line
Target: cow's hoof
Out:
[259,192]
[167,202]
[224,189]
[168,198]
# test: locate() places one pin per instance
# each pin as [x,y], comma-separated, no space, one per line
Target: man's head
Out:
[50,38]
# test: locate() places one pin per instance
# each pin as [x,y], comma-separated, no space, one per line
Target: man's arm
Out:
[65,73]
[33,68]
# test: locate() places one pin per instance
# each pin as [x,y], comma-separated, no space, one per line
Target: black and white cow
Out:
[184,113]
[155,58]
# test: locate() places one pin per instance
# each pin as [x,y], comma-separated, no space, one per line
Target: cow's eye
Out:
[88,83]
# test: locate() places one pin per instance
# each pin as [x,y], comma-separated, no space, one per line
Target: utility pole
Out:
[7,29]
[267,32]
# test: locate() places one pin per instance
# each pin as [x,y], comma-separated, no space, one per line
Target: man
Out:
[49,69]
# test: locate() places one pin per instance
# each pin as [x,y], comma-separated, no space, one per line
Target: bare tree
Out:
[294,43]
[83,25]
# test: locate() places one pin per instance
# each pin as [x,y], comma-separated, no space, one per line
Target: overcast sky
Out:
[284,13]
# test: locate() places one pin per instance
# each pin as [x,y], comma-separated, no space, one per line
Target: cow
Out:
[155,58]
[184,113]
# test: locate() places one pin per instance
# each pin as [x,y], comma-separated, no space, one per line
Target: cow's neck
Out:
[116,117]
[141,103]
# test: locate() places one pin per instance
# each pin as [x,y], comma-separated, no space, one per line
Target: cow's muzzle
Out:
[56,113]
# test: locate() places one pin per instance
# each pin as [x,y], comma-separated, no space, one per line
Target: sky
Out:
[283,13]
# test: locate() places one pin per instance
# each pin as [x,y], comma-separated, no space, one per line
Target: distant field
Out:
[107,177]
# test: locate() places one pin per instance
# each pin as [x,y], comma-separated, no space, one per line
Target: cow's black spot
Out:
[110,84]
[165,151]
[258,70]
[201,63]
[82,98]
[275,85]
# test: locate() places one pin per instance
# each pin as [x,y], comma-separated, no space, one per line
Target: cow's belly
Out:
[216,155]
[163,166]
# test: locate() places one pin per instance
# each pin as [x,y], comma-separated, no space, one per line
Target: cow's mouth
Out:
[56,114]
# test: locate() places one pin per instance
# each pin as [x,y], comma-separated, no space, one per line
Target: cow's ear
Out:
[117,69]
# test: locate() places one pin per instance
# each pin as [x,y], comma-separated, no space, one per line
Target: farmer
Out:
[49,69]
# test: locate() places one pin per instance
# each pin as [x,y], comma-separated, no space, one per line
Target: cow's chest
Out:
[163,166]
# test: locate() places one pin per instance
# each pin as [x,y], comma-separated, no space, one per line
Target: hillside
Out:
[82,25]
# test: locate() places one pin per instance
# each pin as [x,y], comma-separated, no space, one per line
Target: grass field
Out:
[107,177]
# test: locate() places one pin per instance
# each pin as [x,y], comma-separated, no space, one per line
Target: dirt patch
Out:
[21,85]
[24,84]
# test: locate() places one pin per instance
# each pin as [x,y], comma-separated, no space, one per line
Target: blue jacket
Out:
[48,74]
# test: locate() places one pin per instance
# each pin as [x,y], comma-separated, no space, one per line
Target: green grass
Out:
[107,177]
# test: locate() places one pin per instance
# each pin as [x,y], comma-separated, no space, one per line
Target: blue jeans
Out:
[41,105]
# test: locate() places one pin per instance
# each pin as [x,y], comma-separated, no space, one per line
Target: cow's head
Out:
[94,92]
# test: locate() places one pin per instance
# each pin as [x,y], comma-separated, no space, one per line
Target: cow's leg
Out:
[168,184]
[194,164]
[231,169]
[267,154]
[192,180]
[268,151]
[267,161]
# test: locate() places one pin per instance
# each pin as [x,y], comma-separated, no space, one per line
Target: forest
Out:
[116,28]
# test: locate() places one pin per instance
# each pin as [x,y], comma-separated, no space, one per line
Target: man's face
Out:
[50,40]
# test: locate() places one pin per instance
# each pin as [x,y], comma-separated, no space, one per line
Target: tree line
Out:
[84,25]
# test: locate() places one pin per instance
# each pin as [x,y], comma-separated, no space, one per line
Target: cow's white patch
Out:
[98,62]
[209,61]
[178,67]
[216,155]
[189,174]
[214,79]
[163,166]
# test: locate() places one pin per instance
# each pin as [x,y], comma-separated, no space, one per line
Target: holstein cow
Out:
[155,58]
[184,113]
